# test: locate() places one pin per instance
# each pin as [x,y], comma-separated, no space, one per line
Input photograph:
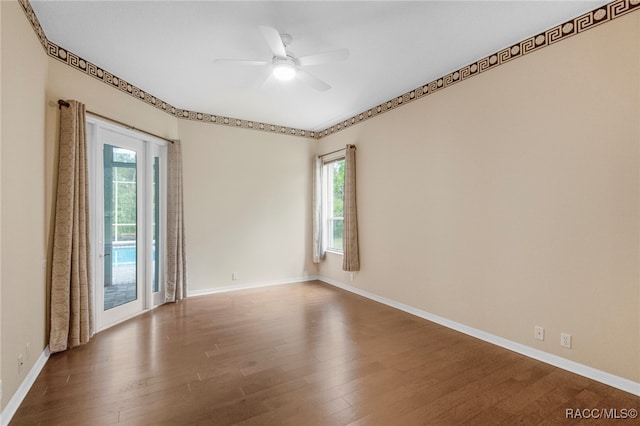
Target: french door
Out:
[128,186]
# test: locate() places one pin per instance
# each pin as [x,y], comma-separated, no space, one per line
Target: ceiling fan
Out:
[285,65]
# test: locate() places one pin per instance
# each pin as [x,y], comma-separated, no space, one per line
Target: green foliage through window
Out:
[335,209]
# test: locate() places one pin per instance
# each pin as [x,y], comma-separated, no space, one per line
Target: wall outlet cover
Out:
[539,332]
[565,340]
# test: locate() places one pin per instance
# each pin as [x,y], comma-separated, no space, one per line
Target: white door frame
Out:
[147,148]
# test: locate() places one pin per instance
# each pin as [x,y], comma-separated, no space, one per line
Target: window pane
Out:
[337,225]
[338,188]
[125,196]
[156,225]
[121,155]
[335,205]
[120,233]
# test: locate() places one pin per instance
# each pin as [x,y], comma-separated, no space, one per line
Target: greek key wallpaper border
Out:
[89,68]
[580,24]
[534,43]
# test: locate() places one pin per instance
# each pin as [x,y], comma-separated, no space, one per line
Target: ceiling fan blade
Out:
[272,36]
[312,81]
[239,62]
[267,82]
[324,57]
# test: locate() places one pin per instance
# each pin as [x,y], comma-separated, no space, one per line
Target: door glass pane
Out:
[156,225]
[120,226]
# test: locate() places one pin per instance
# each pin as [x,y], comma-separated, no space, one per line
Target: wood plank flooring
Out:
[301,354]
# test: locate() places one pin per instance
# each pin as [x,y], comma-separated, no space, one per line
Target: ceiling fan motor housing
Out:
[286,39]
[284,68]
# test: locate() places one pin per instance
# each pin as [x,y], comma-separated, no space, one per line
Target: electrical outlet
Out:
[27,351]
[20,363]
[538,332]
[565,340]
[351,276]
[234,276]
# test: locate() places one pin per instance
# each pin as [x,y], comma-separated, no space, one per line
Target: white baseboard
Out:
[572,366]
[23,389]
[247,286]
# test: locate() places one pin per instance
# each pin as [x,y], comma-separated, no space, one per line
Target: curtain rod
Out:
[332,152]
[62,103]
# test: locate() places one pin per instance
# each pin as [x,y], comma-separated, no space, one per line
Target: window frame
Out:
[327,202]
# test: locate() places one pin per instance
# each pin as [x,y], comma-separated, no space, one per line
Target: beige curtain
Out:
[318,249]
[351,256]
[176,287]
[71,310]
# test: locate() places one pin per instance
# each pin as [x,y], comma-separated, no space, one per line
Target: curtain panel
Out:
[176,285]
[351,255]
[71,298]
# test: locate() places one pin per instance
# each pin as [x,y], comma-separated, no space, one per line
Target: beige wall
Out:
[31,85]
[24,74]
[249,172]
[511,200]
[519,192]
[65,82]
[247,205]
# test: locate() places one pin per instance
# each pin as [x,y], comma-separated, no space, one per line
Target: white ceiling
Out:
[168,48]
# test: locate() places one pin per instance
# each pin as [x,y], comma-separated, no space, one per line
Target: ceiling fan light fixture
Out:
[286,66]
[284,71]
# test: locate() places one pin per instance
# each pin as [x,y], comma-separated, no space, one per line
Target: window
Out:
[333,201]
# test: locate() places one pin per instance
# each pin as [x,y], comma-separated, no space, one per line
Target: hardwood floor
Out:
[301,354]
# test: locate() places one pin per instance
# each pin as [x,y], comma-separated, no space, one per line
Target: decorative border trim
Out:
[587,21]
[35,23]
[557,361]
[91,69]
[17,398]
[582,23]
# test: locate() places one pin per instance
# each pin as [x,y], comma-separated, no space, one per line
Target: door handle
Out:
[105,255]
